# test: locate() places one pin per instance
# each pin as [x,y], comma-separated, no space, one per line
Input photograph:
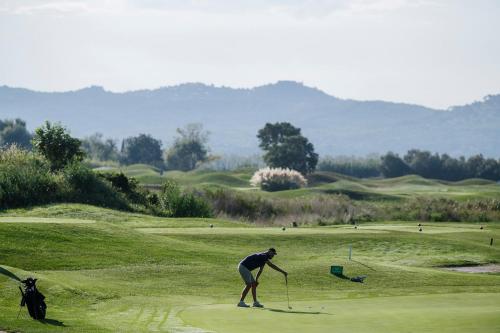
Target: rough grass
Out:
[136,273]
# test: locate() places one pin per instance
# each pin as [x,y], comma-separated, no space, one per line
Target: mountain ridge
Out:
[234,115]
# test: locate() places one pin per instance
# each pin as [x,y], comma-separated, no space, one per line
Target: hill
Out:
[333,125]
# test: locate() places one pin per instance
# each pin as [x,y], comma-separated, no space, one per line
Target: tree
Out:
[55,143]
[14,132]
[142,149]
[95,147]
[490,169]
[393,166]
[286,148]
[189,149]
[452,168]
[423,163]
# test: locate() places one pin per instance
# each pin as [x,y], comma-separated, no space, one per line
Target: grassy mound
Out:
[325,177]
[150,175]
[145,174]
[473,181]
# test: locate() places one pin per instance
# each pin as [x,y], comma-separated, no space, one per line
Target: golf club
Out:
[19,312]
[287,297]
[22,302]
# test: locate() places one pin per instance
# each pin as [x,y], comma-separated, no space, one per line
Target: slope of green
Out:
[391,189]
[135,273]
[145,174]
[228,179]
[150,175]
[400,188]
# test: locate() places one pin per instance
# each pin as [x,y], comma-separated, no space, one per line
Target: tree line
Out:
[188,151]
[360,167]
[428,165]
[414,162]
[283,144]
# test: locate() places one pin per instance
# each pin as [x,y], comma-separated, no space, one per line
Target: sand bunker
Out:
[493,268]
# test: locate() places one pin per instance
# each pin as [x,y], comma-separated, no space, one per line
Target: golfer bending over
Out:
[249,264]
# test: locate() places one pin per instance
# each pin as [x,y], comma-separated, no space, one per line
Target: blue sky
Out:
[432,52]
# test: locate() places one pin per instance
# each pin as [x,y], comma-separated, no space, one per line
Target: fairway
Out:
[276,231]
[363,229]
[109,271]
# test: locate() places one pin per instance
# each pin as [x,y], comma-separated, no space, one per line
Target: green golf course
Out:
[103,270]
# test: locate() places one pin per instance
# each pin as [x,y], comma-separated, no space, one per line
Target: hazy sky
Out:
[432,52]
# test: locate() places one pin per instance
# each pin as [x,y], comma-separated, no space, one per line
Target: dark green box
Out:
[337,270]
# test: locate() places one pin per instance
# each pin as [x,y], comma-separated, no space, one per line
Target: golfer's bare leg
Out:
[245,292]
[254,291]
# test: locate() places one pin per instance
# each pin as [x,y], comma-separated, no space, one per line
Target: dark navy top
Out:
[255,260]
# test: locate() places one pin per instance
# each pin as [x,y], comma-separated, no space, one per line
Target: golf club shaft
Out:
[287,296]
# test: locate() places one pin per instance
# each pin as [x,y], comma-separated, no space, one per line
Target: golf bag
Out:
[33,299]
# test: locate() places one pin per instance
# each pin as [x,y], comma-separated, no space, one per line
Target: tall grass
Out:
[441,209]
[319,209]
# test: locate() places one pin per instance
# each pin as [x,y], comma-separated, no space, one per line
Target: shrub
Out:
[131,189]
[85,186]
[277,179]
[177,204]
[25,179]
[59,148]
[241,205]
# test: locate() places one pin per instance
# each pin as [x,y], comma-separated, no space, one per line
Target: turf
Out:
[136,273]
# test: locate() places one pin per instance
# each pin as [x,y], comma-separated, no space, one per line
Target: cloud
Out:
[323,8]
[57,7]
[32,7]
[296,8]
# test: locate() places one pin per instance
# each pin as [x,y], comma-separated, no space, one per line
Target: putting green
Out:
[15,219]
[426,313]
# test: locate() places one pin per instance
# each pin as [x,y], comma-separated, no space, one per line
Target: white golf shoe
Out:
[256,304]
[242,304]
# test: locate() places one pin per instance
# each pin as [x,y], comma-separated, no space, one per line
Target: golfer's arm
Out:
[259,272]
[273,266]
